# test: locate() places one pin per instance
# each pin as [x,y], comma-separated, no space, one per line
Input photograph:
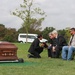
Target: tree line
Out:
[11,34]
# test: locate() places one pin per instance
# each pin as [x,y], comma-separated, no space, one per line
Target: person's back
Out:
[61,41]
[34,45]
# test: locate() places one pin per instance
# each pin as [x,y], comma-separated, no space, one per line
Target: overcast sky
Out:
[60,13]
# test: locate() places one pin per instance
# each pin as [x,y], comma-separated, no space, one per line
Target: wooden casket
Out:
[8,51]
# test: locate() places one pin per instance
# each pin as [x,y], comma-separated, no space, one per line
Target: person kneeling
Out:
[35,48]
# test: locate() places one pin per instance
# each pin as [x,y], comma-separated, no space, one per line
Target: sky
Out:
[60,13]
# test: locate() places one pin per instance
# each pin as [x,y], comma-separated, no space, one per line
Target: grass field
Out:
[43,66]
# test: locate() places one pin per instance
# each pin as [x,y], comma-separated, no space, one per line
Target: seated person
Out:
[68,50]
[50,46]
[35,48]
[57,42]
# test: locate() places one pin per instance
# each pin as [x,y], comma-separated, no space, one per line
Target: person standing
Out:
[68,50]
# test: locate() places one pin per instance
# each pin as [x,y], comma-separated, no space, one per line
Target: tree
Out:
[31,30]
[65,33]
[27,13]
[62,32]
[34,27]
[11,35]
[2,31]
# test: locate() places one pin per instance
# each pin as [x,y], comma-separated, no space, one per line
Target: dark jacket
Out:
[34,45]
[59,41]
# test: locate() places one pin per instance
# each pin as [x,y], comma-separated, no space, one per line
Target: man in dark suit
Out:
[35,49]
[58,42]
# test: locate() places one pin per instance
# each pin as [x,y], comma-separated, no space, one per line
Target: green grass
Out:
[43,66]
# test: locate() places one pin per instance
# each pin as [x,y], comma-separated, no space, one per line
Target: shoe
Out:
[29,55]
[49,57]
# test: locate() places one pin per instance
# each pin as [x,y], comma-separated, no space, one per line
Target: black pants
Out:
[58,51]
[55,54]
[36,53]
[50,52]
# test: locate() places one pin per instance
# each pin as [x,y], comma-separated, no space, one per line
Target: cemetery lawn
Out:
[42,66]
